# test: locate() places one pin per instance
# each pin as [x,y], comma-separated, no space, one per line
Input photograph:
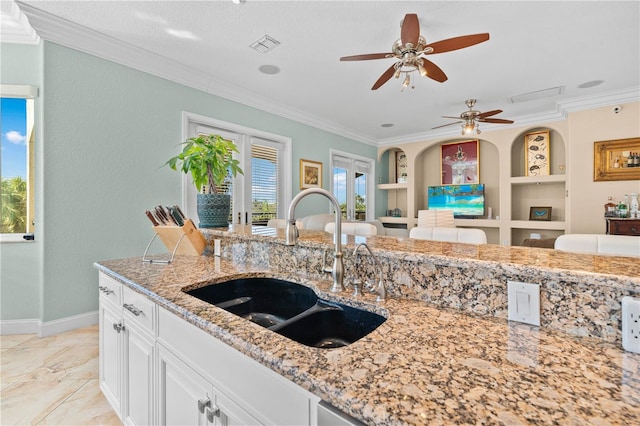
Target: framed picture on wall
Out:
[537,153]
[310,174]
[616,160]
[459,163]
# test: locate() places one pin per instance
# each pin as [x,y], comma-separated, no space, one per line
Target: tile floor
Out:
[52,380]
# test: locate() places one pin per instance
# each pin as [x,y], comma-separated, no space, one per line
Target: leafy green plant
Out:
[210,161]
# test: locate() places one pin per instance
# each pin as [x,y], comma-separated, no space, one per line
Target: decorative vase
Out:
[213,210]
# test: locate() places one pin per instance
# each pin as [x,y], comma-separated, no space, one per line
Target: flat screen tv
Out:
[466,201]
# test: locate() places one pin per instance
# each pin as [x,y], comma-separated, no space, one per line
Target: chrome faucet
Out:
[380,290]
[291,233]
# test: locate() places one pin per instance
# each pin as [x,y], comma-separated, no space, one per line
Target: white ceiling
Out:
[534,46]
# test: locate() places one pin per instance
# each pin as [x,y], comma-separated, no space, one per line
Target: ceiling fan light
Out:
[468,128]
[397,73]
[422,70]
[407,80]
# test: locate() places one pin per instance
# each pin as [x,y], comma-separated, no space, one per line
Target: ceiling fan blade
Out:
[410,31]
[495,120]
[385,77]
[489,113]
[456,43]
[445,125]
[433,71]
[367,57]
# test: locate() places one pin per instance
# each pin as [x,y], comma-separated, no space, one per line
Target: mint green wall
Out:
[21,263]
[108,129]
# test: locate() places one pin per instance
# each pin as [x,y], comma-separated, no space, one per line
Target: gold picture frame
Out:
[537,154]
[611,160]
[310,174]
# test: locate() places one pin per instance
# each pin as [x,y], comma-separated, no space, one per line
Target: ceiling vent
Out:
[265,44]
[539,94]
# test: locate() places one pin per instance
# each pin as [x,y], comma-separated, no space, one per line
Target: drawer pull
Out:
[106,290]
[203,403]
[118,327]
[135,311]
[212,413]
[634,230]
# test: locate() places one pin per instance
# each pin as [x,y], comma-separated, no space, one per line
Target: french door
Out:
[352,183]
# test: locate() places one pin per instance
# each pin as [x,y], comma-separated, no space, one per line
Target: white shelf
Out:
[392,186]
[538,224]
[391,219]
[529,180]
[477,223]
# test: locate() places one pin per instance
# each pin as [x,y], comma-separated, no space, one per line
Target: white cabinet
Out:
[127,351]
[156,368]
[187,398]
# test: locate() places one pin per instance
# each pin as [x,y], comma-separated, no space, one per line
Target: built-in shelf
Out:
[392,219]
[538,224]
[477,223]
[529,180]
[392,186]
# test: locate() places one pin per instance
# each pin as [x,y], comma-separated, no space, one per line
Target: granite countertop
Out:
[424,364]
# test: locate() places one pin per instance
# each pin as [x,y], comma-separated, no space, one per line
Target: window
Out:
[16,167]
[264,191]
[352,185]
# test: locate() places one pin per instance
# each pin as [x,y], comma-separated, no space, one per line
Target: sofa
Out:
[619,245]
[455,235]
[361,229]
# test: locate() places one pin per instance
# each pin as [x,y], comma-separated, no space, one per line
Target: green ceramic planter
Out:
[213,210]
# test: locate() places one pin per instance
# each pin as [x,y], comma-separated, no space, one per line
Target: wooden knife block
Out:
[193,242]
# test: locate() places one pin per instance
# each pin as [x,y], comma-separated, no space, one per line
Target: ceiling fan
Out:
[472,118]
[409,48]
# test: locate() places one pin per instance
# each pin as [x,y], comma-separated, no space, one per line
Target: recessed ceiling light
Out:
[387,125]
[591,83]
[269,69]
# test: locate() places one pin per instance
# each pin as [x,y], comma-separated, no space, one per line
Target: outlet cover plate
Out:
[523,302]
[631,324]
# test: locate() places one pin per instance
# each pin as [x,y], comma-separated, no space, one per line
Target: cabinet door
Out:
[183,394]
[138,376]
[231,414]
[110,355]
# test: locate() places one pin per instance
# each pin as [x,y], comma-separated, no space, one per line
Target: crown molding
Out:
[563,108]
[15,27]
[66,33]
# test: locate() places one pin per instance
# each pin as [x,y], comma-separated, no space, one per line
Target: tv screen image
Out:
[464,200]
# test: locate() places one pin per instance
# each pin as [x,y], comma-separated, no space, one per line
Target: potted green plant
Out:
[209,159]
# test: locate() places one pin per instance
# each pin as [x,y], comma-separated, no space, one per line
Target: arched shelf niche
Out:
[429,172]
[538,190]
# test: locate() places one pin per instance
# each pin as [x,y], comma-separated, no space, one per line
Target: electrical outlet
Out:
[216,248]
[631,324]
[523,302]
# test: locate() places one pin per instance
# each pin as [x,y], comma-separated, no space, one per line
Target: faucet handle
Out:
[357,288]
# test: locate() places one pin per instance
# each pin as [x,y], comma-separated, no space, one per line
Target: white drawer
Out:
[138,309]
[109,289]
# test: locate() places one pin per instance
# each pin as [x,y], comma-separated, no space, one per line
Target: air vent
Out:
[265,44]
[540,94]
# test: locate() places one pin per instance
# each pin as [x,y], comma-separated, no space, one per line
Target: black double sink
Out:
[291,310]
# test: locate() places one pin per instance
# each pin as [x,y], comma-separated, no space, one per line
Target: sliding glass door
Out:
[352,179]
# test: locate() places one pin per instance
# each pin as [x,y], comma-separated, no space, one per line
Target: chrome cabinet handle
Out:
[212,413]
[203,403]
[135,311]
[105,290]
[118,327]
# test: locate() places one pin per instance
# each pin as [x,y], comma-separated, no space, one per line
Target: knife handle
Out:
[151,218]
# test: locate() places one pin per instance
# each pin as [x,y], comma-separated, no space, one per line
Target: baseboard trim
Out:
[25,326]
[49,328]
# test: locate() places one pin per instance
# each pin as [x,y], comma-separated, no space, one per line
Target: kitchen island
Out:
[445,354]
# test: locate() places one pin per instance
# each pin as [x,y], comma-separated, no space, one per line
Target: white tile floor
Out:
[52,380]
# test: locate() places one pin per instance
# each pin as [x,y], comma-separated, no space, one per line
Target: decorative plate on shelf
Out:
[401,167]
